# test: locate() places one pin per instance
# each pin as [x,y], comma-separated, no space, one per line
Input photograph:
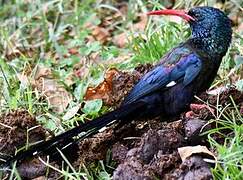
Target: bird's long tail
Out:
[126,113]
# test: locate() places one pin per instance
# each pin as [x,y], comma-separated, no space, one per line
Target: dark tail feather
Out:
[126,112]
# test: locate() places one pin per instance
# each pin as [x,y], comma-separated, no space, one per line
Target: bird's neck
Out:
[210,46]
[214,42]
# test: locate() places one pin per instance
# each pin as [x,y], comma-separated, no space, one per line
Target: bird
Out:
[167,89]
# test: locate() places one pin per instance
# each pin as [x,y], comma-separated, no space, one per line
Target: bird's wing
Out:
[164,76]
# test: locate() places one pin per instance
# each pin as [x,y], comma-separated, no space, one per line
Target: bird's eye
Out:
[194,14]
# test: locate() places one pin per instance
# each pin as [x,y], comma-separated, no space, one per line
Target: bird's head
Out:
[211,28]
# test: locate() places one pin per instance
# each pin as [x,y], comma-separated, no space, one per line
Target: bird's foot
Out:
[190,114]
[199,110]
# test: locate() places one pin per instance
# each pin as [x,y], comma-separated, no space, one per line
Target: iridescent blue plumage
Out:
[191,66]
[212,31]
[170,87]
[184,71]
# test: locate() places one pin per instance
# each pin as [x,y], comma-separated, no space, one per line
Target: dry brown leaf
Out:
[69,81]
[73,51]
[23,79]
[12,53]
[42,72]
[103,90]
[81,72]
[15,50]
[140,26]
[57,96]
[120,40]
[100,34]
[188,151]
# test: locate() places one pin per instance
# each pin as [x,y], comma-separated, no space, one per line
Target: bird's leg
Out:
[197,108]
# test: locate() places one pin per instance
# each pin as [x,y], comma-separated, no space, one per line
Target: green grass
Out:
[160,37]
[41,33]
[230,161]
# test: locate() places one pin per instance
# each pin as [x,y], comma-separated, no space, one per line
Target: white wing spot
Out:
[102,129]
[172,83]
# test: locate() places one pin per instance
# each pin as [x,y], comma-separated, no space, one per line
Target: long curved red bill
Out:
[181,13]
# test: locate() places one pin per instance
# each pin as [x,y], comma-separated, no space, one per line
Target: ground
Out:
[141,149]
[60,68]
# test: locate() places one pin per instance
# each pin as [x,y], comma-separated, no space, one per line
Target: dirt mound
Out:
[123,82]
[147,149]
[156,155]
[143,149]
[16,129]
